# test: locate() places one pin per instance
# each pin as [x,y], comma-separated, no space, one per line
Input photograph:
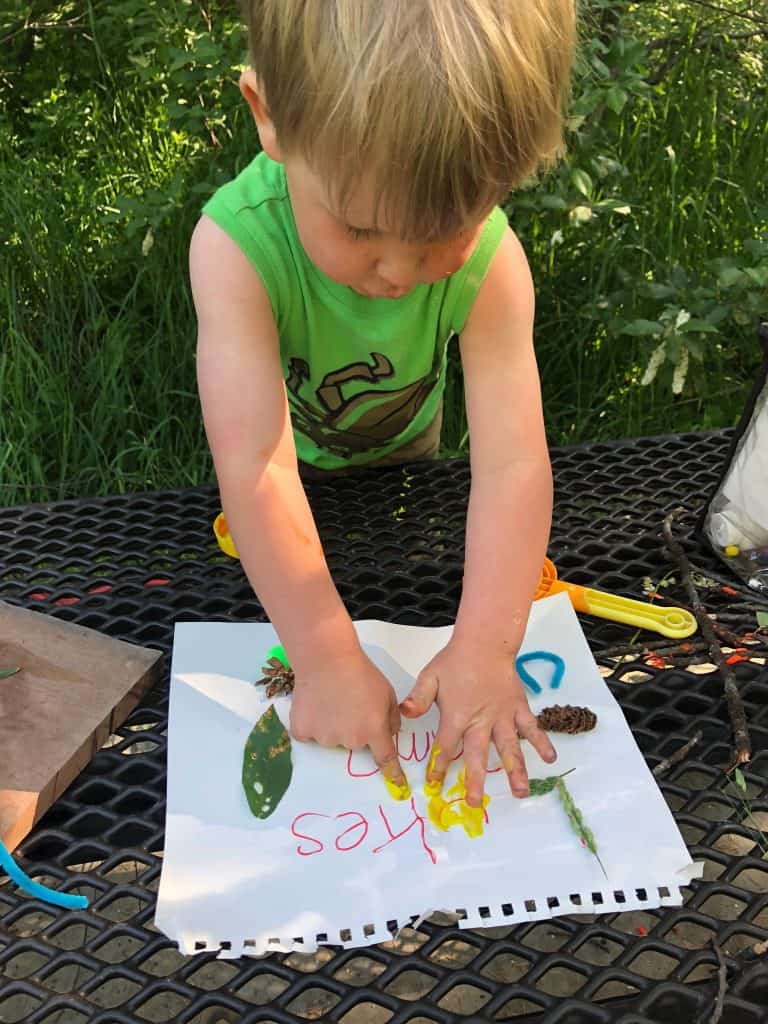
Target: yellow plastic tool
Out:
[223,536]
[674,622]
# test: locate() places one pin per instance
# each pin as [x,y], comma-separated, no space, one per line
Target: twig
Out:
[742,749]
[722,984]
[741,589]
[744,13]
[622,650]
[679,755]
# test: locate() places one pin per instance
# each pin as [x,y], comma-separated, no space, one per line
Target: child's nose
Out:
[398,274]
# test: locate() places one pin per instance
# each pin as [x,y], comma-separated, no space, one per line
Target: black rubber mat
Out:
[131,566]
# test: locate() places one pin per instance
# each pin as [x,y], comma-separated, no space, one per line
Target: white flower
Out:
[580,214]
[681,372]
[657,358]
[149,241]
[682,318]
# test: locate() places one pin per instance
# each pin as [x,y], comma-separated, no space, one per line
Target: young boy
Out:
[328,278]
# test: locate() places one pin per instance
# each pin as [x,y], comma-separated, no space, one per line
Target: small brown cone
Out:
[567,719]
[277,678]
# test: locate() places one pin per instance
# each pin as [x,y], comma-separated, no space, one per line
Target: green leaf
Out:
[639,328]
[729,276]
[658,291]
[741,782]
[267,767]
[615,99]
[697,327]
[759,275]
[694,346]
[614,205]
[550,202]
[582,181]
[6,672]
[762,618]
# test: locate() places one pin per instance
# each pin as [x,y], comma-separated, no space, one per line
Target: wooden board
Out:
[75,687]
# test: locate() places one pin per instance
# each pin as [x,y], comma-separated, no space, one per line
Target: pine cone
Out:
[568,719]
[277,678]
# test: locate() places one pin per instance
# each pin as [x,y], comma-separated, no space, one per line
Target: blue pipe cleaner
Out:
[40,892]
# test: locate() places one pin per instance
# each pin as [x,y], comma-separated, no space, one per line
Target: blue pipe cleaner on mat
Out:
[40,892]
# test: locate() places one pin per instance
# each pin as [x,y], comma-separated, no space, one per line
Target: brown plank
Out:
[75,687]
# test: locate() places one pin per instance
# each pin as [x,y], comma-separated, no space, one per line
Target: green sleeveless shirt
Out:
[363,376]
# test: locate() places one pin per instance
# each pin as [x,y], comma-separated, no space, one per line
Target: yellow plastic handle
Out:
[223,536]
[673,622]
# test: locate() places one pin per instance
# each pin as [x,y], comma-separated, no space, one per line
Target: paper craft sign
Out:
[338,861]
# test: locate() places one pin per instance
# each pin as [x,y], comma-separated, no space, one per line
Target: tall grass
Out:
[97,386]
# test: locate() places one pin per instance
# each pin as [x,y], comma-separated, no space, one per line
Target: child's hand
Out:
[347,702]
[481,700]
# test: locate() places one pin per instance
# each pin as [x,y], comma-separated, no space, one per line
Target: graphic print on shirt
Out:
[347,421]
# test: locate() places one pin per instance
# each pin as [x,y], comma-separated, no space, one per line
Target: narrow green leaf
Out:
[741,782]
[6,672]
[762,618]
[582,181]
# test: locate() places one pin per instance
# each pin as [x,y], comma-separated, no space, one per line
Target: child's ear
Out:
[253,94]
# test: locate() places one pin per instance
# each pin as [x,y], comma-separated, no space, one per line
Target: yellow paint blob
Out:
[732,551]
[444,814]
[398,791]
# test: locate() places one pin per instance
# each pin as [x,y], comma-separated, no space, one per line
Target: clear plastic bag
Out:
[736,519]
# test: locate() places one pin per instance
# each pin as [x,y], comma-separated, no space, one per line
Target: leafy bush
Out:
[119,117]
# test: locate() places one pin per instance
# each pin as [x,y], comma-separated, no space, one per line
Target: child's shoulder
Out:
[254,210]
[260,184]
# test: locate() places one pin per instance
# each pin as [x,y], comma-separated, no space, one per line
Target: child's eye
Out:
[358,233]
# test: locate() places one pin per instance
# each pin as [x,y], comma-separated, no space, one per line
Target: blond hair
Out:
[449,104]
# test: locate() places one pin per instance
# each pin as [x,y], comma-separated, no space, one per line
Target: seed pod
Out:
[567,719]
[267,767]
[575,817]
[277,678]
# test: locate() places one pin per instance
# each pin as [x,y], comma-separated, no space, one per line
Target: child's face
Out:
[352,249]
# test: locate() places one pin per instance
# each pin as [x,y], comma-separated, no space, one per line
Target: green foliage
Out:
[648,243]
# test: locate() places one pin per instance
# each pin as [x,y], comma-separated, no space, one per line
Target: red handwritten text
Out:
[324,832]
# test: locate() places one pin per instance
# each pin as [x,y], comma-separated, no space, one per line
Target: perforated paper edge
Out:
[537,907]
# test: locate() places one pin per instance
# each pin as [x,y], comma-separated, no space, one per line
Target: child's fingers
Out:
[422,696]
[443,750]
[382,748]
[508,746]
[394,716]
[528,727]
[476,744]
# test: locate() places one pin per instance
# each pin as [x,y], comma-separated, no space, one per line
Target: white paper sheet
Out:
[340,862]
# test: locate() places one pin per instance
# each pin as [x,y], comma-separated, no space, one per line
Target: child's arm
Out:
[474,679]
[340,698]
